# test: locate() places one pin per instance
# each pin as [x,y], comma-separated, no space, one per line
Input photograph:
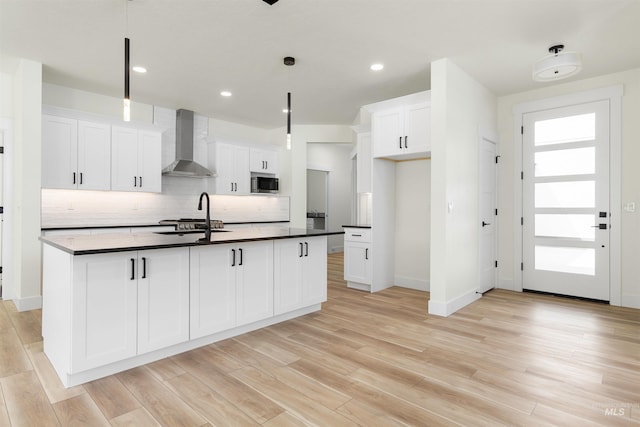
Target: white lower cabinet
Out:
[231,285]
[357,258]
[128,303]
[300,273]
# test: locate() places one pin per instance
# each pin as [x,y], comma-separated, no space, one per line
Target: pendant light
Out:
[126,112]
[557,65]
[127,100]
[289,61]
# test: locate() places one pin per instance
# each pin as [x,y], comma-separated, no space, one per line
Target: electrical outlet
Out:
[629,207]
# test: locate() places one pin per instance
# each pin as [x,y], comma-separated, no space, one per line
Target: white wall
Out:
[294,167]
[316,191]
[460,107]
[336,159]
[23,205]
[630,286]
[413,224]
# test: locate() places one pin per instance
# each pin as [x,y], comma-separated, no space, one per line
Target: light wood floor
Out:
[370,360]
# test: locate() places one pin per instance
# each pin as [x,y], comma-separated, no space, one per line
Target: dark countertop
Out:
[356,226]
[155,224]
[105,243]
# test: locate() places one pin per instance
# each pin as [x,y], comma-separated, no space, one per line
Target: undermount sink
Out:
[181,232]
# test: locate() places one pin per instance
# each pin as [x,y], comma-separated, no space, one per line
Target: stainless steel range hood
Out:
[184,164]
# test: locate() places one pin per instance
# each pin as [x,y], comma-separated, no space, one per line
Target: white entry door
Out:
[566,200]
[487,242]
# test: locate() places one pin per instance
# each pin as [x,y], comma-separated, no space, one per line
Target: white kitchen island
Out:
[114,302]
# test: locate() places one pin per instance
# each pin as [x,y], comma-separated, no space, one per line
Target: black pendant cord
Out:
[289,113]
[126,68]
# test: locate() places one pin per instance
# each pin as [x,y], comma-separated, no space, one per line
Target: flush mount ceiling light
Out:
[376,67]
[270,2]
[225,93]
[557,65]
[139,69]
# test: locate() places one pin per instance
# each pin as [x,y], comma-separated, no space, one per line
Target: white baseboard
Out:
[412,283]
[446,309]
[631,301]
[29,303]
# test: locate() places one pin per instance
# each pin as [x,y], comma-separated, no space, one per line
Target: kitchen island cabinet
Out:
[114,302]
[300,273]
[231,285]
[122,304]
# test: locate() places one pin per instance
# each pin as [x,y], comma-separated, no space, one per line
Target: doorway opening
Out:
[317,199]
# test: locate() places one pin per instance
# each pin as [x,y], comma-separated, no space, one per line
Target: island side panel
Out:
[56,308]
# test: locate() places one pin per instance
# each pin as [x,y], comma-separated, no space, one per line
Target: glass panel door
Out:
[566,200]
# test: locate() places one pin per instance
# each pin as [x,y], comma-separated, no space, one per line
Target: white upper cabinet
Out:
[75,154]
[232,167]
[402,132]
[264,161]
[135,160]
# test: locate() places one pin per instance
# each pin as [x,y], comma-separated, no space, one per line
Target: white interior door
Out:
[566,200]
[488,220]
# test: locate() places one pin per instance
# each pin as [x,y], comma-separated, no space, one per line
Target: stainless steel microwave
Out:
[261,184]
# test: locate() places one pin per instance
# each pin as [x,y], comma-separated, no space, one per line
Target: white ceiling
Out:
[193,49]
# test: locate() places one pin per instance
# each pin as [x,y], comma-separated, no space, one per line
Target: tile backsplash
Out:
[61,208]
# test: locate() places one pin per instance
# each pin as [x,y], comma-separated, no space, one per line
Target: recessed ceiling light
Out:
[139,69]
[376,67]
[285,110]
[225,93]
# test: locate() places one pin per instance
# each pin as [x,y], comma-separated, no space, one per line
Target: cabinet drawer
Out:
[357,234]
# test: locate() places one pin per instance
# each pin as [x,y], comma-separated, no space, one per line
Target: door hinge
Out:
[521,130]
[522,266]
[497,157]
[496,212]
[496,264]
[521,220]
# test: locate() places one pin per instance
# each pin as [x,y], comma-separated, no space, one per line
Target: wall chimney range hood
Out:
[184,165]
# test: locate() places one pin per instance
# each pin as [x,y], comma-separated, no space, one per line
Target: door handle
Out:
[405,141]
[306,249]
[300,256]
[366,253]
[144,268]
[600,226]
[240,263]
[400,142]
[80,178]
[233,262]
[140,182]
[74,177]
[133,269]
[135,181]
[484,224]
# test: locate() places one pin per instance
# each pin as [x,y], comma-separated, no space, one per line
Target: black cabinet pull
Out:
[366,253]
[405,141]
[233,262]
[135,181]
[400,142]
[80,178]
[306,249]
[140,182]
[240,250]
[74,177]
[266,164]
[484,224]
[133,269]
[300,256]
[356,235]
[144,268]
